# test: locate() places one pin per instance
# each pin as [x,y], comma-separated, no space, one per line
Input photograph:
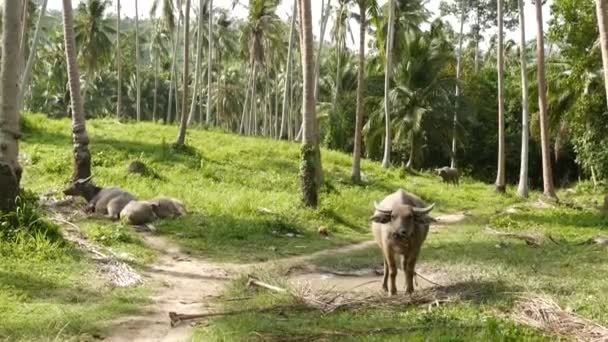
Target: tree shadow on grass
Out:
[35,287]
[575,218]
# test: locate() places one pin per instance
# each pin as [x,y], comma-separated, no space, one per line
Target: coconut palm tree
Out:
[548,188]
[197,64]
[310,146]
[10,170]
[209,61]
[522,188]
[82,156]
[93,32]
[158,51]
[25,79]
[501,170]
[388,69]
[602,22]
[181,136]
[118,66]
[288,71]
[137,62]
[364,7]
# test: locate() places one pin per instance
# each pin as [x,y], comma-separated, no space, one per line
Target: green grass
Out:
[228,182]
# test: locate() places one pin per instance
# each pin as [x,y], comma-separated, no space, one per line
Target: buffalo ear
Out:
[380,217]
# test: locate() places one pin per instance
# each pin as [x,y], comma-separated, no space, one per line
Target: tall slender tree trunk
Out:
[522,188]
[181,136]
[602,21]
[23,36]
[388,70]
[209,64]
[172,81]
[283,134]
[458,70]
[137,62]
[82,156]
[118,66]
[548,188]
[309,141]
[356,171]
[242,126]
[325,11]
[10,170]
[155,103]
[500,176]
[25,80]
[199,61]
[410,162]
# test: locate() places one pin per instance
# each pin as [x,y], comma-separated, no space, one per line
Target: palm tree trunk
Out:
[10,170]
[155,103]
[172,81]
[309,141]
[209,64]
[137,62]
[245,104]
[25,81]
[388,69]
[82,156]
[410,161]
[458,67]
[548,188]
[288,70]
[500,176]
[23,35]
[324,18]
[118,66]
[199,61]
[602,22]
[522,188]
[181,136]
[356,171]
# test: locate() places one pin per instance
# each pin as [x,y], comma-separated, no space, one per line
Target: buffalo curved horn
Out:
[85,180]
[382,210]
[423,211]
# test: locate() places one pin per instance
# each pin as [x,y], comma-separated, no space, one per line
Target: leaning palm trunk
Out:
[287,85]
[458,64]
[25,80]
[181,135]
[209,64]
[356,171]
[137,79]
[82,156]
[548,188]
[10,170]
[522,188]
[602,22]
[310,147]
[199,61]
[386,159]
[500,176]
[23,35]
[118,67]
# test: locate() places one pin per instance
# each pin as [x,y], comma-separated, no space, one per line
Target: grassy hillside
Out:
[244,206]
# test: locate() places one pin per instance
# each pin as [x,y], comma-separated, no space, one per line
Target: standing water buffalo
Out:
[400,225]
[103,201]
[448,174]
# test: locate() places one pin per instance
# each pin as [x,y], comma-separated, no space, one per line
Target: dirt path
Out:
[183,283]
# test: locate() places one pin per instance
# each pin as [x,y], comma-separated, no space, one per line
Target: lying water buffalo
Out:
[448,174]
[104,201]
[400,225]
[139,212]
[168,207]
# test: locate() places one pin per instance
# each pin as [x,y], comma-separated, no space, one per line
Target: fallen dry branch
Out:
[529,239]
[177,318]
[545,315]
[252,281]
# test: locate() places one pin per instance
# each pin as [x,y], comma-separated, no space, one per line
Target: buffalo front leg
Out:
[409,267]
[392,272]
[385,277]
